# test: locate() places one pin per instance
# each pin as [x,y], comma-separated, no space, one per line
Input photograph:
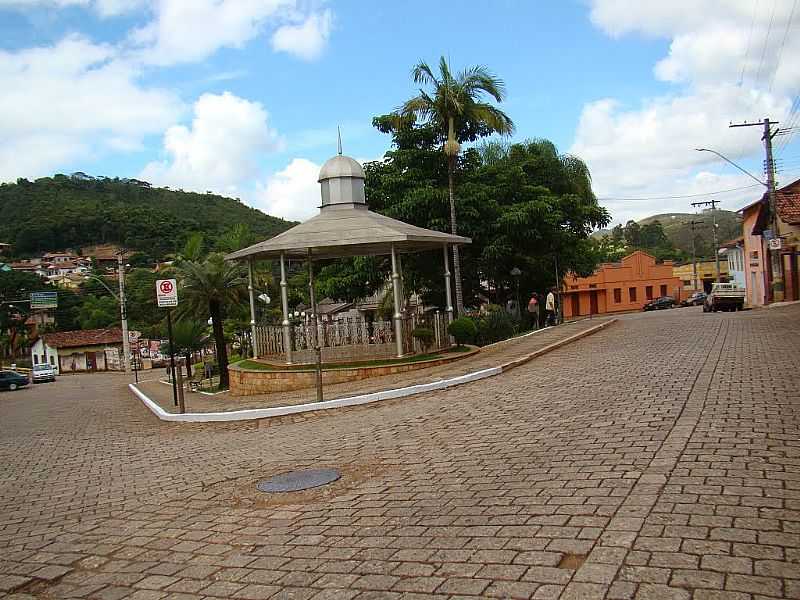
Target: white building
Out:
[80,351]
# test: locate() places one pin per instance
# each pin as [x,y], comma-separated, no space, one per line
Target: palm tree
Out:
[455,108]
[209,287]
[189,336]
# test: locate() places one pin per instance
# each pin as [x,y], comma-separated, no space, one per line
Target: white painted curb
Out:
[262,413]
[278,411]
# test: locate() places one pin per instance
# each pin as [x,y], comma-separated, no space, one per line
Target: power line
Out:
[766,41]
[783,43]
[749,40]
[685,195]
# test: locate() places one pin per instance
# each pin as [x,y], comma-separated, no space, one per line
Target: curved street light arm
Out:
[727,160]
[103,283]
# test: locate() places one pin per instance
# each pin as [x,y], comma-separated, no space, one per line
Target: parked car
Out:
[11,380]
[695,299]
[724,296]
[42,373]
[660,303]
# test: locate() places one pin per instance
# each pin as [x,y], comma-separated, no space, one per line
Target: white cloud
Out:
[191,30]
[305,40]
[715,67]
[292,193]
[221,149]
[71,100]
[105,8]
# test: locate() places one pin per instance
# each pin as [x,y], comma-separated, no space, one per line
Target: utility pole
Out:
[775,266]
[695,283]
[126,342]
[713,204]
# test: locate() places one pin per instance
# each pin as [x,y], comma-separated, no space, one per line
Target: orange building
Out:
[622,286]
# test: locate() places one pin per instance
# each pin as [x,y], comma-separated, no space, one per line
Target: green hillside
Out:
[679,231]
[59,212]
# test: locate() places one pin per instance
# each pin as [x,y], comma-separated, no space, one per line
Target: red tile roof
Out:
[788,206]
[84,337]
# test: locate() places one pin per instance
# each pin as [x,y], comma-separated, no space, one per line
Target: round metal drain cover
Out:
[294,481]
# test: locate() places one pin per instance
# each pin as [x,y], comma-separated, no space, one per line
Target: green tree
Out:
[211,287]
[456,110]
[189,336]
[98,312]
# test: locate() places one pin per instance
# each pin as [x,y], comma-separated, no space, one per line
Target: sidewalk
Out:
[498,354]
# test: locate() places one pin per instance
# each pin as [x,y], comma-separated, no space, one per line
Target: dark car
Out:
[695,299]
[11,380]
[660,303]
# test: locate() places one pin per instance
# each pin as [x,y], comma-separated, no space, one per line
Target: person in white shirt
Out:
[550,308]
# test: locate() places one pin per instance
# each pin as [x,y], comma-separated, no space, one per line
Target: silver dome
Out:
[340,166]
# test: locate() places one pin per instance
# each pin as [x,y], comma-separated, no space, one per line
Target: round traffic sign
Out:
[166,286]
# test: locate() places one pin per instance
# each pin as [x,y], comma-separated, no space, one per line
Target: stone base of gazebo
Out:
[275,377]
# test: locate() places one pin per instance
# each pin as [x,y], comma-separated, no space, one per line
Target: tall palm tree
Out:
[456,108]
[209,287]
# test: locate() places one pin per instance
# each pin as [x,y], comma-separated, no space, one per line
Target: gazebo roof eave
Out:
[346,249]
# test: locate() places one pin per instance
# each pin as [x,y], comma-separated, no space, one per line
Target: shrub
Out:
[494,326]
[424,335]
[463,330]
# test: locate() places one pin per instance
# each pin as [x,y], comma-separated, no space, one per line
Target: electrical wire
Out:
[783,43]
[683,196]
[749,40]
[766,41]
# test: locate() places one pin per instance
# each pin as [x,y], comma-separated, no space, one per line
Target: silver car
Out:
[42,373]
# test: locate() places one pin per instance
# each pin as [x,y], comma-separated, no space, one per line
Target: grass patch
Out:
[257,366]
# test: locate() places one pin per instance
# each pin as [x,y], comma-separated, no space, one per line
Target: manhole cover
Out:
[295,481]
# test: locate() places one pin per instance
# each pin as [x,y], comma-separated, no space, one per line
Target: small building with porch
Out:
[85,350]
[618,287]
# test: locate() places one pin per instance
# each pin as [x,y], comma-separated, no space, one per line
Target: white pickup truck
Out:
[724,296]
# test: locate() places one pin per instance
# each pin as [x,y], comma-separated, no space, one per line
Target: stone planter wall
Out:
[252,382]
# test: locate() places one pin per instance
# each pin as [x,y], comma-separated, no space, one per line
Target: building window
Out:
[663,290]
[52,360]
[754,255]
[632,294]
[36,359]
[617,295]
[648,292]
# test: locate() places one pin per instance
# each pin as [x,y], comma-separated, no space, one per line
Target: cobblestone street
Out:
[657,459]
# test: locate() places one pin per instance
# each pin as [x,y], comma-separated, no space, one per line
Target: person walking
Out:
[533,309]
[550,307]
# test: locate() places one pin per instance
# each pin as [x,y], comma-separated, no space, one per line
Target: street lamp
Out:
[729,161]
[120,298]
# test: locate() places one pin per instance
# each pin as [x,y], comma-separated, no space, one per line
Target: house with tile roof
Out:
[85,350]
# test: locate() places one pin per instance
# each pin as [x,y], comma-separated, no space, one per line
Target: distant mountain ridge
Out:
[677,227]
[59,212]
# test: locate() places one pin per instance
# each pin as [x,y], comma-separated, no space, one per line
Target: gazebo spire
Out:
[339,131]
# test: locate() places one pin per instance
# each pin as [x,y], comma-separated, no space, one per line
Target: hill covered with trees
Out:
[59,212]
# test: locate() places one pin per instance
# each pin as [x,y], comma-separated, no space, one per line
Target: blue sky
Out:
[243,97]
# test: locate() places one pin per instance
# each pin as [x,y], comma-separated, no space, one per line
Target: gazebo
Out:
[345,227]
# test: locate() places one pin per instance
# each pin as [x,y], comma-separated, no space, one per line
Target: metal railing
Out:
[354,332]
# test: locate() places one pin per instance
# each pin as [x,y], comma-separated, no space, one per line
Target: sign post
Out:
[167,297]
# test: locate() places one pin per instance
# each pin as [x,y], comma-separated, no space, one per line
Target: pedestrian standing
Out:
[550,307]
[533,309]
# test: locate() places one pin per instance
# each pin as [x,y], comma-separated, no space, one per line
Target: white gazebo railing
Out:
[354,333]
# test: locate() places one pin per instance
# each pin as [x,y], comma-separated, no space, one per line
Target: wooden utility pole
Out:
[694,255]
[775,264]
[713,204]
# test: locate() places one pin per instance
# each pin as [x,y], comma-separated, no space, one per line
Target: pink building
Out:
[755,266]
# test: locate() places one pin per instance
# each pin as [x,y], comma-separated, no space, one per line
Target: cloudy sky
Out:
[243,97]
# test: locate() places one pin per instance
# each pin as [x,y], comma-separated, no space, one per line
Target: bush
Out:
[494,326]
[424,335]
[463,330]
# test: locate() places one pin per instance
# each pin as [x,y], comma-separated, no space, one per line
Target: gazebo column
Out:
[398,316]
[287,334]
[252,306]
[448,294]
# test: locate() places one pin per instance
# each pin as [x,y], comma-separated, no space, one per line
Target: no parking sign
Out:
[166,293]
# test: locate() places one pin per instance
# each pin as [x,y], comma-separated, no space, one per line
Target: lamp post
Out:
[123,313]
[770,185]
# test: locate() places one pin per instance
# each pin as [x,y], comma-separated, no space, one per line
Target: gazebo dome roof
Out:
[340,166]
